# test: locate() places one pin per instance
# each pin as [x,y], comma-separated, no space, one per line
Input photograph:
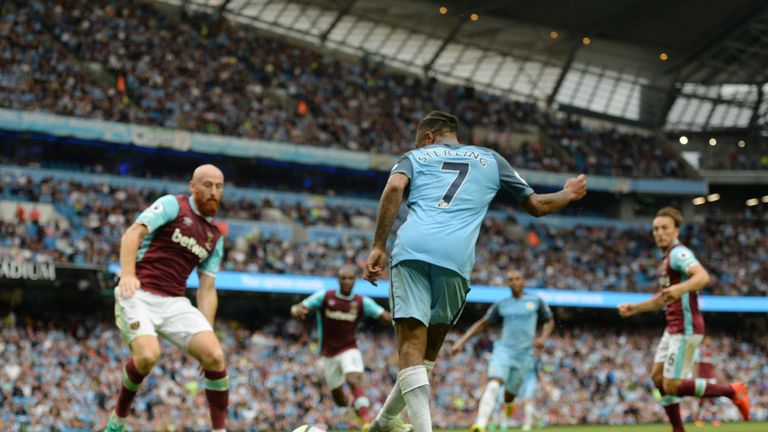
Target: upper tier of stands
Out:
[280,232]
[130,62]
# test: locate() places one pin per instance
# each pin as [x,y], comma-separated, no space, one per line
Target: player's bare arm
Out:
[478,327]
[129,248]
[698,278]
[299,311]
[546,331]
[574,189]
[207,299]
[653,304]
[386,317]
[388,207]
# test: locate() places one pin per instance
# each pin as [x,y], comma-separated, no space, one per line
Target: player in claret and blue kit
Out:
[681,276]
[157,253]
[339,313]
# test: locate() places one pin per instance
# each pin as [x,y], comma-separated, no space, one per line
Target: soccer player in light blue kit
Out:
[450,188]
[512,358]
[528,395]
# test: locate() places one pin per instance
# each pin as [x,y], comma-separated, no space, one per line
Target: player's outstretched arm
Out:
[546,331]
[299,311]
[388,207]
[478,327]
[540,205]
[129,249]
[386,317]
[653,304]
[313,302]
[207,299]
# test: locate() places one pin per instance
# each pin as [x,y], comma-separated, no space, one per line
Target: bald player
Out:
[339,312]
[157,253]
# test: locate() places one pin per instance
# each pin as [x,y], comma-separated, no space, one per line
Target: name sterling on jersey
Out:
[431,154]
[189,243]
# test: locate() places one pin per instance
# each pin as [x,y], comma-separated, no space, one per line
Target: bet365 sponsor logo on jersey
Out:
[190,243]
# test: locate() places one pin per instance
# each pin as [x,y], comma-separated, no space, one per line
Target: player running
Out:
[528,394]
[512,360]
[704,368]
[681,276]
[338,314]
[157,254]
[450,188]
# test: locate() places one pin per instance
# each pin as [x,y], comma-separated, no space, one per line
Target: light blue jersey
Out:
[451,187]
[512,358]
[519,317]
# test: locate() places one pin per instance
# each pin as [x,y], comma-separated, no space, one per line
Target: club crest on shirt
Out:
[530,306]
[186,220]
[135,325]
[331,302]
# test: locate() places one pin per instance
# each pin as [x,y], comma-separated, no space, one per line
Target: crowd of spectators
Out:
[228,79]
[598,258]
[753,157]
[609,152]
[64,376]
[131,62]
[37,73]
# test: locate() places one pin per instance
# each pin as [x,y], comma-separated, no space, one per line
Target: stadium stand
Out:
[87,64]
[311,236]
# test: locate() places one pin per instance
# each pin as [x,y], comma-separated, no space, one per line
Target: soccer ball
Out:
[308,428]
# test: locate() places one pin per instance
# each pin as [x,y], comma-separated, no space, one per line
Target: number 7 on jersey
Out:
[462,171]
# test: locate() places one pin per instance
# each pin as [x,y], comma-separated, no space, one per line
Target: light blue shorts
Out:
[528,389]
[512,369]
[426,292]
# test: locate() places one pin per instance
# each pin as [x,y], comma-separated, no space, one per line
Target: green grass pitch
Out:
[725,427]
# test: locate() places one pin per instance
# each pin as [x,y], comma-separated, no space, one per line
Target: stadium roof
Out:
[692,32]
[713,75]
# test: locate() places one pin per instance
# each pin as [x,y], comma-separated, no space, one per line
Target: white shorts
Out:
[337,367]
[676,351]
[148,314]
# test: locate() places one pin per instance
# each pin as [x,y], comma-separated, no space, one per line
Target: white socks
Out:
[504,423]
[487,403]
[429,365]
[529,410]
[395,402]
[414,383]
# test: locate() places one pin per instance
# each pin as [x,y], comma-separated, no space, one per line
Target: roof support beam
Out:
[463,18]
[223,5]
[754,121]
[563,71]
[342,13]
[448,39]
